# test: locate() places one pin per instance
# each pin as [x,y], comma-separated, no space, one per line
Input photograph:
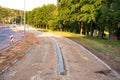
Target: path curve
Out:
[39,63]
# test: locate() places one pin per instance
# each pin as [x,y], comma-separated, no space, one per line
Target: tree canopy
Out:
[10,15]
[79,16]
[40,16]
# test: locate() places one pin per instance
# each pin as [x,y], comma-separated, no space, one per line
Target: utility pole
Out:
[24,22]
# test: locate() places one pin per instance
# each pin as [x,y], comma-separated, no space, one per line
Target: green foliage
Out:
[53,24]
[74,15]
[9,15]
[78,16]
[42,15]
[98,14]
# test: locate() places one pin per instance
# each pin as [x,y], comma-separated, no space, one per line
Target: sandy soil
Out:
[39,63]
[16,51]
[80,65]
[114,64]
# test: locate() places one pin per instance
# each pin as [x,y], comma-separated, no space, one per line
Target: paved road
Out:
[39,62]
[4,36]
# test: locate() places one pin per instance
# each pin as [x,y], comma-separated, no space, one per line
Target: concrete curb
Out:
[58,55]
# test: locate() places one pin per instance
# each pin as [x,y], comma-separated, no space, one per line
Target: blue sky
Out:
[29,4]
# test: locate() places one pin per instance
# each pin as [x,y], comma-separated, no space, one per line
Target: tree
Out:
[9,15]
[42,15]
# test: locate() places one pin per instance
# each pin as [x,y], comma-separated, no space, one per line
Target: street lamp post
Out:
[24,22]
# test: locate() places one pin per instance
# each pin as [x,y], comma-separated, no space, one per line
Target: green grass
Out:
[65,34]
[97,44]
[43,30]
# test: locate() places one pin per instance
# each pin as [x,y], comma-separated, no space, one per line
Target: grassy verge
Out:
[110,49]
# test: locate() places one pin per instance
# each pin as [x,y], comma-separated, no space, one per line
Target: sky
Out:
[29,4]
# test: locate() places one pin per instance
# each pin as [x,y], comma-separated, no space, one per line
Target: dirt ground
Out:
[114,64]
[107,56]
[79,64]
[9,55]
[37,64]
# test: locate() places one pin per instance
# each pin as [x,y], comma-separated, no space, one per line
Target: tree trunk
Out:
[92,28]
[60,26]
[101,32]
[81,29]
[46,27]
[81,26]
[86,29]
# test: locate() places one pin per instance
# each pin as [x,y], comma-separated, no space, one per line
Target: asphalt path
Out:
[5,32]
